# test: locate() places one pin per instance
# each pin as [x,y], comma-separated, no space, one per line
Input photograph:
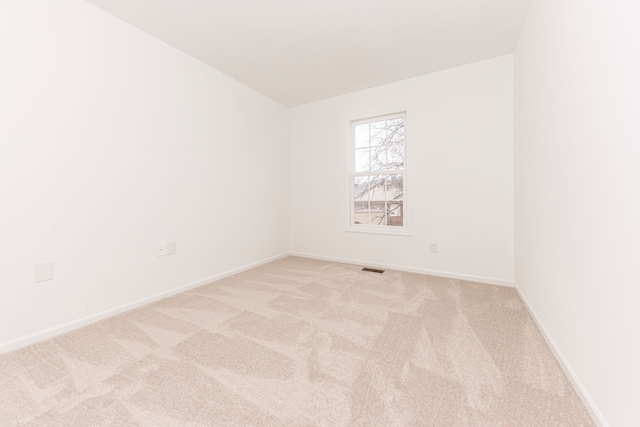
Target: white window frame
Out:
[403,230]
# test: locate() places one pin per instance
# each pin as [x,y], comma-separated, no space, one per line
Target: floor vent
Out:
[373,270]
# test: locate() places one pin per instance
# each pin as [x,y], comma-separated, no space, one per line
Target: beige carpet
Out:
[300,342]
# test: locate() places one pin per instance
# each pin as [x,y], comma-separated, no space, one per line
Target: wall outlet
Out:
[172,248]
[433,248]
[44,271]
[161,249]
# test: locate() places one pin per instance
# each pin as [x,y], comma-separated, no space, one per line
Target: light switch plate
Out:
[161,249]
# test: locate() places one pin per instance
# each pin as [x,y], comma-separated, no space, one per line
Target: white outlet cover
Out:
[434,248]
[172,248]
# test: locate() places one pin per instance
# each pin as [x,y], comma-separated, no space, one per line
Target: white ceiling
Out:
[299,51]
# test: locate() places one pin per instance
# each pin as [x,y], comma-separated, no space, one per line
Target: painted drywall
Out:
[460,175]
[577,192]
[112,141]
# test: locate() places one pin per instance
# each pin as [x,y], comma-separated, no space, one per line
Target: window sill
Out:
[379,230]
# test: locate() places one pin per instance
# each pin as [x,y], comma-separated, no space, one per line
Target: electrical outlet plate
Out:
[44,271]
[433,248]
[172,248]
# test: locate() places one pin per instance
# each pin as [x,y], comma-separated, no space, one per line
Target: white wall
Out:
[577,192]
[460,144]
[111,142]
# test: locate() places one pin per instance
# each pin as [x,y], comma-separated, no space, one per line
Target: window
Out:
[377,175]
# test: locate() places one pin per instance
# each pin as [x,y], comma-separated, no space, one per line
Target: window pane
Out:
[361,188]
[377,213]
[395,214]
[395,144]
[361,213]
[395,156]
[362,160]
[394,190]
[378,158]
[362,136]
[361,200]
[376,188]
[377,200]
[378,133]
[394,194]
[395,129]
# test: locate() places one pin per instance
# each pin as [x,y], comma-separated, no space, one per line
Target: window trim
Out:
[404,230]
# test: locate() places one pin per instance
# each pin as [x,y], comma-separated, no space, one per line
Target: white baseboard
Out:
[93,318]
[480,279]
[589,404]
[85,321]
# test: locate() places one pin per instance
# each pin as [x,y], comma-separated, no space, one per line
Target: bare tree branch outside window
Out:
[379,178]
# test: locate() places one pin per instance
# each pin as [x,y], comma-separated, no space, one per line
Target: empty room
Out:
[331,213]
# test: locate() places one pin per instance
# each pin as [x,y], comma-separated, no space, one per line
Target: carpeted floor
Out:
[300,342]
